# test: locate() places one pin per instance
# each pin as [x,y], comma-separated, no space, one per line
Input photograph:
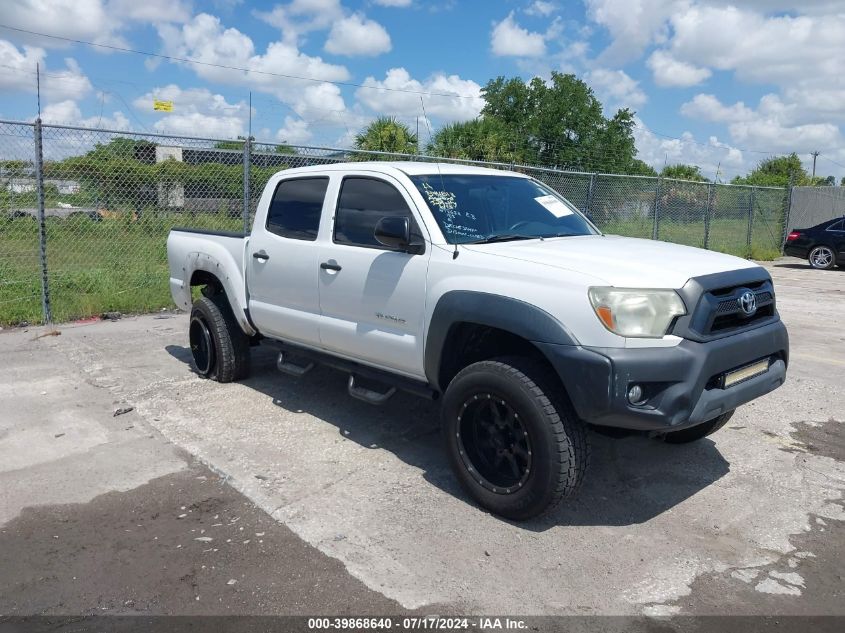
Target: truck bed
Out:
[211,251]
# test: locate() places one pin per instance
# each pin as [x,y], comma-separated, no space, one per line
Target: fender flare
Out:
[505,313]
[202,262]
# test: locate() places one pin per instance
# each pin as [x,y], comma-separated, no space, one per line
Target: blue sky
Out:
[716,83]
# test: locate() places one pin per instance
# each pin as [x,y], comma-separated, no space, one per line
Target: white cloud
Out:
[669,71]
[150,11]
[350,34]
[797,47]
[712,155]
[778,49]
[17,73]
[708,108]
[774,126]
[508,39]
[632,24]
[541,8]
[616,89]
[381,96]
[357,35]
[300,17]
[205,39]
[195,111]
[294,131]
[67,112]
[394,3]
[99,21]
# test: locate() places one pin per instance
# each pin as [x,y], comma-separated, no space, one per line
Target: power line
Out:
[188,60]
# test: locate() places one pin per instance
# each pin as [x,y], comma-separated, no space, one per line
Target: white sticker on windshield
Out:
[557,208]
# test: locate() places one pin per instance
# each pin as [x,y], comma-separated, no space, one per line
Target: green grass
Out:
[726,235]
[120,264]
[117,264]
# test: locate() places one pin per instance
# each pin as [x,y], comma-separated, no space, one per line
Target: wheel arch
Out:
[206,271]
[468,326]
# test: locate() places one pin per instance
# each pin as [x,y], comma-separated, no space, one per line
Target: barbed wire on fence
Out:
[110,197]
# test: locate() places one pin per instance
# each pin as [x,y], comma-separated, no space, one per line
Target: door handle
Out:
[328,266]
[261,255]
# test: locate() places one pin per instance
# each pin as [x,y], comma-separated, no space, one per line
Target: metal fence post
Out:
[46,310]
[708,212]
[589,203]
[247,162]
[750,217]
[655,229]
[786,212]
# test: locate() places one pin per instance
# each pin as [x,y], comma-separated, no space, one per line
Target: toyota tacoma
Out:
[490,292]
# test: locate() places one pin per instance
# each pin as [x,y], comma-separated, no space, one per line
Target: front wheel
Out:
[512,439]
[822,257]
[698,431]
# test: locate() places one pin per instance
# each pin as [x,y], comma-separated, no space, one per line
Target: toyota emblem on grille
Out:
[747,303]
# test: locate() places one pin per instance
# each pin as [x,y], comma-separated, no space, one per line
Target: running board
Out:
[368,395]
[291,369]
[362,372]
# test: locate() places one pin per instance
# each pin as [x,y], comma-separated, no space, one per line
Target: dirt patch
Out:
[806,582]
[826,439]
[185,543]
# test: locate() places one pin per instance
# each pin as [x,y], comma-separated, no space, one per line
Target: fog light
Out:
[635,395]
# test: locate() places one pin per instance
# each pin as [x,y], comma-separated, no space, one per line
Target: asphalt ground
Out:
[284,496]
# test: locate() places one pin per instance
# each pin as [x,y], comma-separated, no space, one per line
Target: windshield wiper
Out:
[504,237]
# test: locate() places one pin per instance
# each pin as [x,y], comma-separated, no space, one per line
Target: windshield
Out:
[482,208]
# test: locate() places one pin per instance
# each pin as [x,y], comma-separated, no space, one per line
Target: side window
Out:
[837,226]
[296,206]
[361,204]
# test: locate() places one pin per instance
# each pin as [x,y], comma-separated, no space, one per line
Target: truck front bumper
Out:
[682,384]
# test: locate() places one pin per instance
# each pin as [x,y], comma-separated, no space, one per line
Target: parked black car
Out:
[822,245]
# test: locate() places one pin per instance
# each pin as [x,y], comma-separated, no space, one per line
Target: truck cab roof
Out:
[409,168]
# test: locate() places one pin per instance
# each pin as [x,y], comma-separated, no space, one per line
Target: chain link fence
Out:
[109,198]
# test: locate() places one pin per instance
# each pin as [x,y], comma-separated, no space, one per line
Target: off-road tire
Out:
[557,439]
[698,431]
[230,349]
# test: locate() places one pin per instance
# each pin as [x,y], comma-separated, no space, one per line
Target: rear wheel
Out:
[822,257]
[219,348]
[513,441]
[697,432]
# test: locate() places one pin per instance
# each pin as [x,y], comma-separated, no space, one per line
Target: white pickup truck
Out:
[489,291]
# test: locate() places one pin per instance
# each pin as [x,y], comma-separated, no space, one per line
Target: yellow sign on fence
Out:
[162,106]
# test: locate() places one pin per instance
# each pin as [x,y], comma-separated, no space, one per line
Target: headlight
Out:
[634,312]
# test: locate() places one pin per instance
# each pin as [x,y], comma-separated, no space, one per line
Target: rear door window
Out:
[296,207]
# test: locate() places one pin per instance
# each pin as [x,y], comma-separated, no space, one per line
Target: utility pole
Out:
[815,156]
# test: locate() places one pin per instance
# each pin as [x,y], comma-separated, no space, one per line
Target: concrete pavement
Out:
[746,522]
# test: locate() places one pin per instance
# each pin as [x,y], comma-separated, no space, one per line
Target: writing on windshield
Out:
[476,208]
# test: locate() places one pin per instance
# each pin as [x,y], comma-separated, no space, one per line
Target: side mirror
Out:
[394,232]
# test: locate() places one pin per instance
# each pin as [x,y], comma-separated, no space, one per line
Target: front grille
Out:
[727,315]
[715,309]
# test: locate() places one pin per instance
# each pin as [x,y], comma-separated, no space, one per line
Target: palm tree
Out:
[386,134]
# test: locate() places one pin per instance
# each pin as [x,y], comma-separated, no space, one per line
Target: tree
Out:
[481,139]
[776,172]
[683,172]
[561,123]
[386,134]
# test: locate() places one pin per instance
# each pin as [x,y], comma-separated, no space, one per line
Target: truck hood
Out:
[619,261]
